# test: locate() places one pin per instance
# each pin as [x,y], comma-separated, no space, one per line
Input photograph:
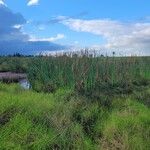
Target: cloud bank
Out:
[51,39]
[9,25]
[133,37]
[13,40]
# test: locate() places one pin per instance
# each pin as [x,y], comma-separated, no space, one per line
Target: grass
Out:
[67,120]
[127,128]
[86,73]
[77,101]
[14,64]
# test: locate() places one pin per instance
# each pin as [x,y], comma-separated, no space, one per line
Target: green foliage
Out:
[14,64]
[77,102]
[128,127]
[88,74]
[85,72]
[66,120]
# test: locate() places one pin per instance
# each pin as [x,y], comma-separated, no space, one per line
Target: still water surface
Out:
[25,84]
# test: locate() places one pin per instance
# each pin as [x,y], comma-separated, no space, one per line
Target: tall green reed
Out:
[86,71]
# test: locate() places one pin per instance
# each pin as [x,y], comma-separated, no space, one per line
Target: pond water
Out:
[10,77]
[25,84]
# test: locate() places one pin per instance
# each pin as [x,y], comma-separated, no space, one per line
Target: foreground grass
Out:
[65,120]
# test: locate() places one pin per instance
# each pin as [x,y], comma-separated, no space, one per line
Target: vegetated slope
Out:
[65,120]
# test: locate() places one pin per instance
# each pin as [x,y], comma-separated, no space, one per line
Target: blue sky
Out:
[109,25]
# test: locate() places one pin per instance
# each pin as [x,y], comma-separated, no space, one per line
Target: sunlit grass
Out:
[65,120]
[127,127]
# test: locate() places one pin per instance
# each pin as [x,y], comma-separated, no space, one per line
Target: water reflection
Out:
[24,83]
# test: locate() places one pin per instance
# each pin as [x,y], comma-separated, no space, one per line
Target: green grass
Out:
[85,71]
[66,120]
[88,74]
[14,64]
[77,101]
[127,127]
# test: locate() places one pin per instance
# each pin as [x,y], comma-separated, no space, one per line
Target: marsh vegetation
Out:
[76,102]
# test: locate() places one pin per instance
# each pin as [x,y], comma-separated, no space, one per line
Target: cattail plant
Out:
[86,71]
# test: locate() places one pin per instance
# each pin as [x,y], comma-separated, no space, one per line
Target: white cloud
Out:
[51,39]
[33,2]
[129,37]
[2,3]
[18,26]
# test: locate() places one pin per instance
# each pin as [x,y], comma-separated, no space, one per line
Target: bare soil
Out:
[12,77]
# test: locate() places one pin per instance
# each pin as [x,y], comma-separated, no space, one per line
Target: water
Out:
[24,83]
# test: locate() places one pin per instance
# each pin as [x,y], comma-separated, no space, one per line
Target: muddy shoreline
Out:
[9,77]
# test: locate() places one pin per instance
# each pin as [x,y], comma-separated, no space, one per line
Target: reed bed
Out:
[87,72]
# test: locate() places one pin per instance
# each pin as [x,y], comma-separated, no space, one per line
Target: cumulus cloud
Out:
[2,2]
[13,39]
[51,39]
[132,37]
[33,2]
[10,25]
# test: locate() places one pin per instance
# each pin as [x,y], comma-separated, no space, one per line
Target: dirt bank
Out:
[12,77]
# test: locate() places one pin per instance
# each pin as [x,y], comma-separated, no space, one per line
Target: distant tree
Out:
[113,53]
[17,55]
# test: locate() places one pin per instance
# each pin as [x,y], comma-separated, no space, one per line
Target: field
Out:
[77,101]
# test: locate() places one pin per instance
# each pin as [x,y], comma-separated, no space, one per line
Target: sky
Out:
[34,26]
